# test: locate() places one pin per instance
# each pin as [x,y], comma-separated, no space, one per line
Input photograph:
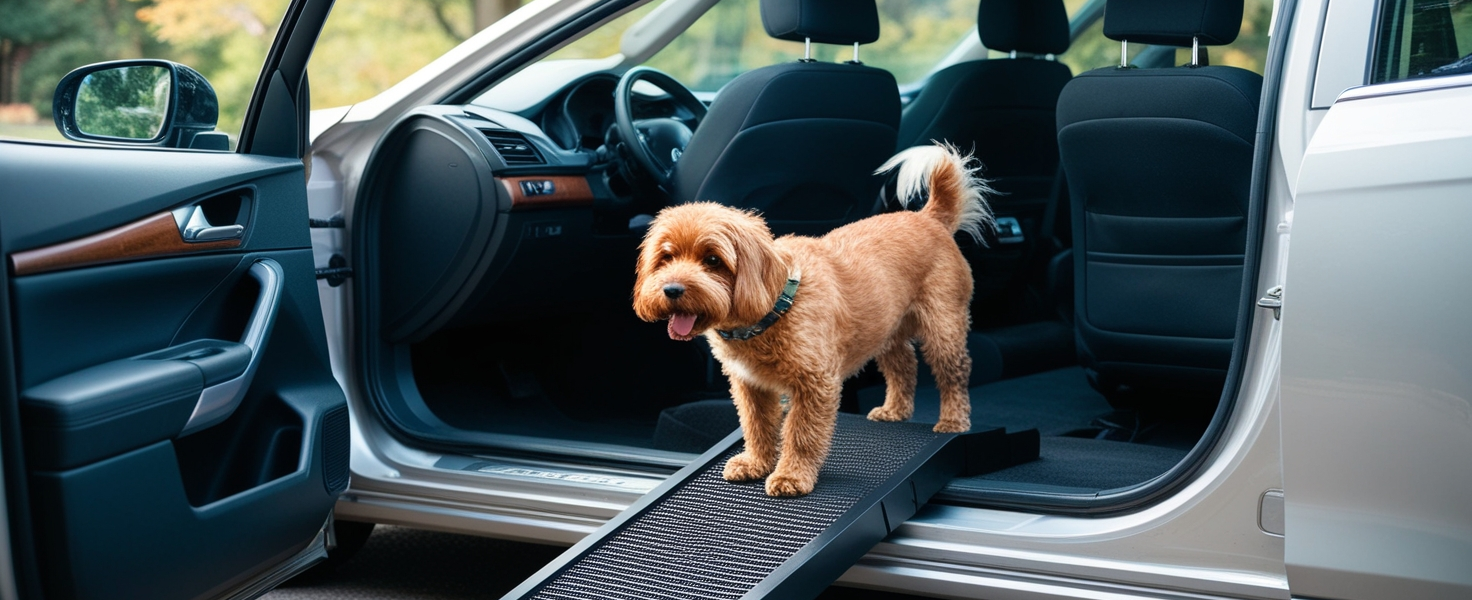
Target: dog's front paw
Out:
[885,413]
[745,467]
[788,485]
[953,426]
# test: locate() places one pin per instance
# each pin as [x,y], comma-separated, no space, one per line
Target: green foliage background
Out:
[366,46]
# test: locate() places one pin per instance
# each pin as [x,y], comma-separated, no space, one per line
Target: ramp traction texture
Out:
[712,539]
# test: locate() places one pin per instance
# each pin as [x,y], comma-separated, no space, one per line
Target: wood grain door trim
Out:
[568,190]
[150,237]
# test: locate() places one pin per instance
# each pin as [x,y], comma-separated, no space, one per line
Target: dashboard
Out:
[465,201]
[580,114]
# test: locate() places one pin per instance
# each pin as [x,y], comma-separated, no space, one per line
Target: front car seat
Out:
[799,141]
[1002,109]
[1158,163]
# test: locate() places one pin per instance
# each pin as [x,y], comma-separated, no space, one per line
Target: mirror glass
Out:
[124,102]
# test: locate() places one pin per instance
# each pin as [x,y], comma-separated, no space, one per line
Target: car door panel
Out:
[1376,429]
[116,347]
[53,204]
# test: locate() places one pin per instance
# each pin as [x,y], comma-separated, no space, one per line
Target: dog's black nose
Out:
[674,290]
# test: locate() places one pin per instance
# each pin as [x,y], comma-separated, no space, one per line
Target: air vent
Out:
[513,148]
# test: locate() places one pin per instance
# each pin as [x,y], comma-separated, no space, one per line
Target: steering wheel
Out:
[655,144]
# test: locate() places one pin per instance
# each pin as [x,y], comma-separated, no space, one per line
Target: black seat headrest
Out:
[1173,22]
[1035,26]
[823,21]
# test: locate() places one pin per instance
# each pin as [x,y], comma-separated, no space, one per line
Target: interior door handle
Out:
[194,226]
[218,402]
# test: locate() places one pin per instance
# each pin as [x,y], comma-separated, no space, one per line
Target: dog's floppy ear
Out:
[760,272]
[649,254]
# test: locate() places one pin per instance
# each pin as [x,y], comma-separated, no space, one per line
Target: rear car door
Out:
[171,426]
[1376,393]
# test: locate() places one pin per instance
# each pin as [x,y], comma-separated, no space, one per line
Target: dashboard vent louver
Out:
[513,148]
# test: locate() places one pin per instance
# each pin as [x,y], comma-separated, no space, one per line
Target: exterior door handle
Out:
[217,402]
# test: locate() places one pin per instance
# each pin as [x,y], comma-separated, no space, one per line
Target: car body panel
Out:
[1377,422]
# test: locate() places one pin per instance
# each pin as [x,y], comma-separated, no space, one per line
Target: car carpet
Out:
[1054,402]
[1090,464]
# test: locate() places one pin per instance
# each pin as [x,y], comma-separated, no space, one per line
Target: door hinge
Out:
[1273,300]
[336,271]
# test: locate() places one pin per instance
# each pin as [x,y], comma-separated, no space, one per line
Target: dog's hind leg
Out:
[806,435]
[761,422]
[943,340]
[898,364]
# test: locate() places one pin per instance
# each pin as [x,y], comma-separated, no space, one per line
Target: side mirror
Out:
[140,102]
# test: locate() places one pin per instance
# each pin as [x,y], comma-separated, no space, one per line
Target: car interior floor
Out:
[612,379]
[592,378]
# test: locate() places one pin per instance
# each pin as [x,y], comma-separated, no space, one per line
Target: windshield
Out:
[729,40]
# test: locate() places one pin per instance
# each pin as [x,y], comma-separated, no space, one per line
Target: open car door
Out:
[1377,425]
[172,428]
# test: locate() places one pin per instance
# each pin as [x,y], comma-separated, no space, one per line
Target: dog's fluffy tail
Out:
[957,194]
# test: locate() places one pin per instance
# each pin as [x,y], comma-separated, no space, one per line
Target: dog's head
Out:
[705,266]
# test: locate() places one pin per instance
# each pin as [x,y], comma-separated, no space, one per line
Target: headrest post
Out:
[1012,54]
[807,50]
[856,53]
[1124,54]
[1195,52]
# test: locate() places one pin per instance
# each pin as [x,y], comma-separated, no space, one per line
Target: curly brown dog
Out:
[796,316]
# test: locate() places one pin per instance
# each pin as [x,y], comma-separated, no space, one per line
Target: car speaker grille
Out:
[513,147]
[335,450]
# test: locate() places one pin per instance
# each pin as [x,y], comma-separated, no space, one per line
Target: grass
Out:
[34,131]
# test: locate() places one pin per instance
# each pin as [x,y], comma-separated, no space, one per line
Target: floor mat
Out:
[1058,403]
[1092,464]
[1055,402]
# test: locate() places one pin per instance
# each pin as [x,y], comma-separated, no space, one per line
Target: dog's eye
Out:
[712,261]
[665,257]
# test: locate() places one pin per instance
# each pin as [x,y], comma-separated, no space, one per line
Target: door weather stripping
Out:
[1273,300]
[218,402]
[699,536]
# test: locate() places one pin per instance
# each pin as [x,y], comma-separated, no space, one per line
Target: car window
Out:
[1423,39]
[1091,50]
[365,47]
[729,40]
[226,40]
[368,46]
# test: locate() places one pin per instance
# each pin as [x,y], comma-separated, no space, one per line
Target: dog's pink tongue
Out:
[681,324]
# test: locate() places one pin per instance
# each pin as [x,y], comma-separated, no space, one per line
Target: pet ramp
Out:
[700,537]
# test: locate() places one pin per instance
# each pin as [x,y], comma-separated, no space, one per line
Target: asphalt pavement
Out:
[398,562]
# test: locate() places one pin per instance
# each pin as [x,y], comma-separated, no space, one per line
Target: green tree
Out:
[447,14]
[41,40]
[28,26]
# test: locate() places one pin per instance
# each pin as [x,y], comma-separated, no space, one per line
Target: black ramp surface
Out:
[701,537]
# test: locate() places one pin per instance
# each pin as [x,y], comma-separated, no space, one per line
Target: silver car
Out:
[224,366]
